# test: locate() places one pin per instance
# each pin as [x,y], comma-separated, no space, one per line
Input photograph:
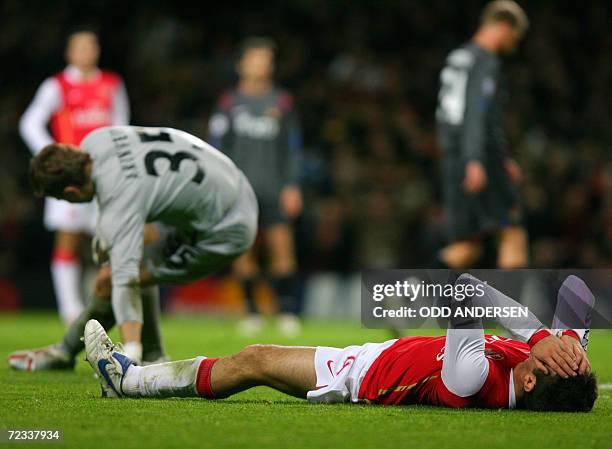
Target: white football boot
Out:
[106,359]
[41,359]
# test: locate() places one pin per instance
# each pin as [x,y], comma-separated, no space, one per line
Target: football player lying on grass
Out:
[539,371]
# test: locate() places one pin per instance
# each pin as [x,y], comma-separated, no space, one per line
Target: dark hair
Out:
[553,393]
[256,42]
[506,11]
[55,168]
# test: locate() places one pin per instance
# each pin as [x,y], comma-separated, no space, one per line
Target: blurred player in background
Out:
[75,101]
[479,176]
[257,127]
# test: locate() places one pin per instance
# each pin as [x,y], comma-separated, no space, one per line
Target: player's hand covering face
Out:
[584,366]
[553,353]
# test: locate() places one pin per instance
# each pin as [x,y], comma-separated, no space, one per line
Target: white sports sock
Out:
[163,380]
[133,350]
[66,274]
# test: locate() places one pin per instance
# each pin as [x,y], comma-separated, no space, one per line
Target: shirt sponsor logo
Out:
[257,127]
[94,116]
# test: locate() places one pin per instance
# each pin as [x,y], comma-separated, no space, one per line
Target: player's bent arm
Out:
[33,123]
[545,347]
[126,249]
[523,329]
[575,303]
[465,367]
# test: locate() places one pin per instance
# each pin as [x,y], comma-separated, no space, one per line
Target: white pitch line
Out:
[605,386]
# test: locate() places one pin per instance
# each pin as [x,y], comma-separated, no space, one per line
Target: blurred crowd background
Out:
[365,78]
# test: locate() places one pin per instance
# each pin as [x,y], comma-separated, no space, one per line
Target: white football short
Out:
[70,217]
[341,371]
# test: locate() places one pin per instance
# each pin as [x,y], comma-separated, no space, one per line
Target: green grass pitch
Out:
[262,418]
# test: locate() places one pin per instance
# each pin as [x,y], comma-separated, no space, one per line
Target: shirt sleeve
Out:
[521,328]
[33,123]
[293,133]
[121,106]
[480,91]
[465,367]
[219,127]
[125,234]
[573,312]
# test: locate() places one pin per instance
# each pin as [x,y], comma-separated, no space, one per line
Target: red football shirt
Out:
[409,372]
[86,106]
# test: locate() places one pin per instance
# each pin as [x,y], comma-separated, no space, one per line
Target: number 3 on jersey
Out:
[453,80]
[174,159]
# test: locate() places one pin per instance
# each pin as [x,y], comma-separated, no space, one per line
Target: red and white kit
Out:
[465,368]
[74,107]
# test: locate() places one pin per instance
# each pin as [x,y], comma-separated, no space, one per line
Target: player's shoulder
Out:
[51,83]
[57,76]
[226,100]
[284,99]
[463,56]
[484,58]
[110,77]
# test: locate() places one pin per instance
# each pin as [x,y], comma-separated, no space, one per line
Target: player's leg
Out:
[62,355]
[100,308]
[72,224]
[287,369]
[512,249]
[461,254]
[152,342]
[246,270]
[279,239]
[66,274]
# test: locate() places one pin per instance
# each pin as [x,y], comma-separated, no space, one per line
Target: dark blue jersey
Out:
[261,134]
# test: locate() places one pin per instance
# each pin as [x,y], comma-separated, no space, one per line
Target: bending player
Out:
[203,206]
[464,369]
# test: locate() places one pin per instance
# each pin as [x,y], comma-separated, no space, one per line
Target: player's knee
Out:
[246,266]
[67,241]
[461,255]
[253,360]
[512,257]
[284,265]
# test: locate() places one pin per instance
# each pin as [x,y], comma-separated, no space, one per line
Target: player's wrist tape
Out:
[539,335]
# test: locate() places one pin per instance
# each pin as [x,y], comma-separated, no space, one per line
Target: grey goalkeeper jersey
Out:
[162,175]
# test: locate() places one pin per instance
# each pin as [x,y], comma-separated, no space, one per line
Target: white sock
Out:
[163,380]
[66,274]
[133,350]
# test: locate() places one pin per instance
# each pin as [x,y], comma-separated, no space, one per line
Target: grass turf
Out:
[262,418]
